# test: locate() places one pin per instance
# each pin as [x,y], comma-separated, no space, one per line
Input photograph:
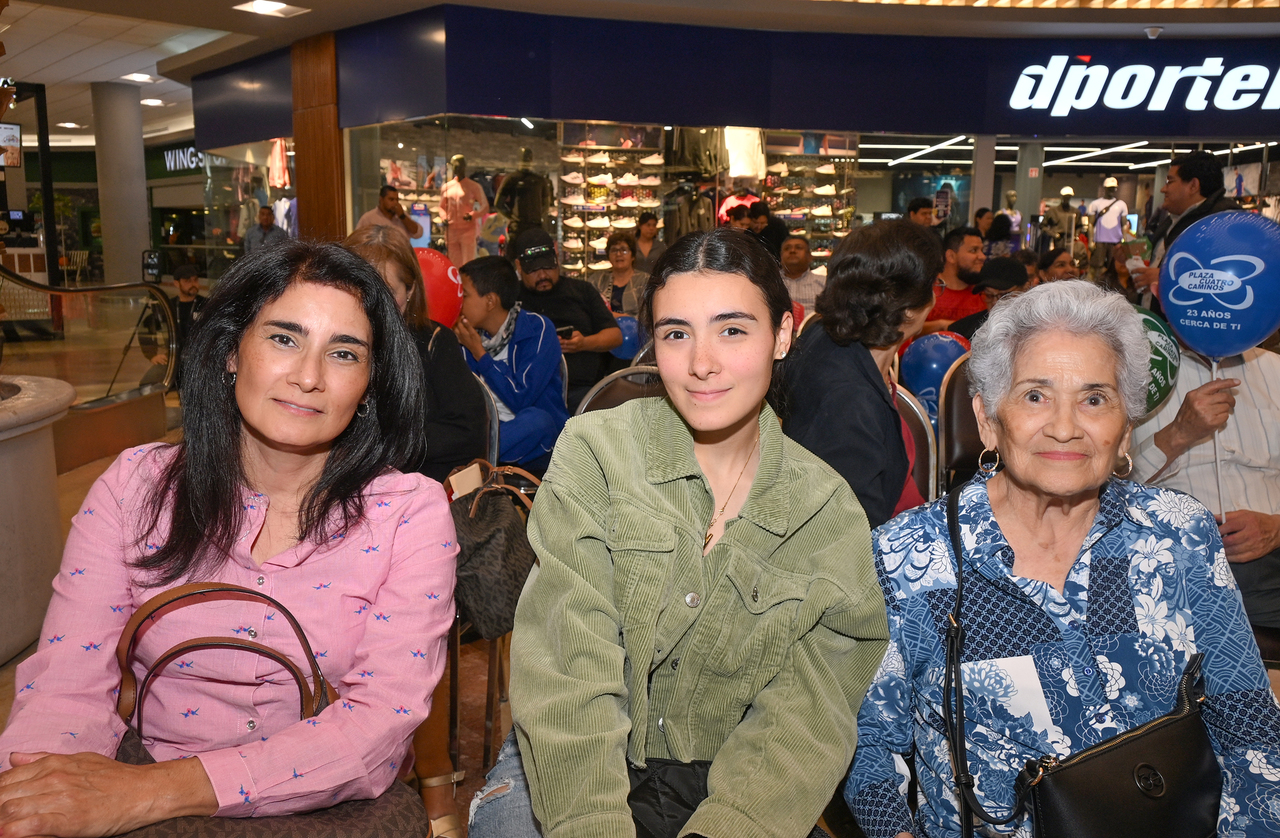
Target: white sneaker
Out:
[602,200]
[601,223]
[572,157]
[572,198]
[652,160]
[827,169]
[628,180]
[624,224]
[575,223]
[573,243]
[574,267]
[799,210]
[599,244]
[628,202]
[779,168]
[600,266]
[651,180]
[598,159]
[822,212]
[829,189]
[572,177]
[601,180]
[650,203]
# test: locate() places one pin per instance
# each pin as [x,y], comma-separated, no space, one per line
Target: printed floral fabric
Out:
[1049,673]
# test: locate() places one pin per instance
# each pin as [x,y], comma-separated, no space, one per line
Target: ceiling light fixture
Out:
[527,123]
[925,151]
[1095,153]
[69,125]
[1151,164]
[140,78]
[152,103]
[271,8]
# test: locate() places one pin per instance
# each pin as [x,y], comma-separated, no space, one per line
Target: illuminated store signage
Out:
[188,159]
[1072,83]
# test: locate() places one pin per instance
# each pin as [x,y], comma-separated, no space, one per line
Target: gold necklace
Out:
[712,525]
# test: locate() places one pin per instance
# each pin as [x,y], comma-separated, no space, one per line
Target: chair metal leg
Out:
[492,690]
[455,643]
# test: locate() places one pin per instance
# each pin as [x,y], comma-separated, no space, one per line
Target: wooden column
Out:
[317,140]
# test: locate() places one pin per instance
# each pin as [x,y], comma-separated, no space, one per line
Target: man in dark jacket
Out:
[1192,191]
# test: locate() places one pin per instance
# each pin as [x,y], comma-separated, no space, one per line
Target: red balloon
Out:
[443,285]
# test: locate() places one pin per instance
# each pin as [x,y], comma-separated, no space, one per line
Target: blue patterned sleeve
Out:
[1240,710]
[877,785]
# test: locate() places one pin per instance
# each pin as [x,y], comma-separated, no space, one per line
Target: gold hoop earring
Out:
[989,468]
[1129,470]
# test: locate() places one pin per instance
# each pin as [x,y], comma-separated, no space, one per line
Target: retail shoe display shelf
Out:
[603,191]
[815,196]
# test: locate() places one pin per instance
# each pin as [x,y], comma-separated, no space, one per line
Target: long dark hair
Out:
[200,490]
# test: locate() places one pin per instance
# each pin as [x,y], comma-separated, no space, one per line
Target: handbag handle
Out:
[131,697]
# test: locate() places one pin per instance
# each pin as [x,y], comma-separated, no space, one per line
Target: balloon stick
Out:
[1217,461]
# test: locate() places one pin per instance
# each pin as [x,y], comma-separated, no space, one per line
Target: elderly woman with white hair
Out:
[1085,595]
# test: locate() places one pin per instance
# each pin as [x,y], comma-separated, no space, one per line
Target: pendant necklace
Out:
[712,525]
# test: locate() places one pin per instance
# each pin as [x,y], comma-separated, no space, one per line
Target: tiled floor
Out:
[473,664]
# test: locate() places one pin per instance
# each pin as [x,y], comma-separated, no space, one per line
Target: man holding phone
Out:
[586,328]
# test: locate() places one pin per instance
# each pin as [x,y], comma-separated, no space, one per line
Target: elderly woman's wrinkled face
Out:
[1063,426]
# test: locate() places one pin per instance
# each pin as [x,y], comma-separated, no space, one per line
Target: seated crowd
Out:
[741,600]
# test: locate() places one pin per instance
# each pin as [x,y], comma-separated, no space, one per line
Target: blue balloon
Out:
[1220,283]
[631,341]
[925,363]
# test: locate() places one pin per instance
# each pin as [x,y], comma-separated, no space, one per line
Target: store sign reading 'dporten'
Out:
[1071,83]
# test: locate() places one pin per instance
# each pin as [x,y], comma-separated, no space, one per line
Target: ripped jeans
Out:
[503,808]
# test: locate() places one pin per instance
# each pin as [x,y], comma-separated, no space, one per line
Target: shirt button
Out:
[253,633]
[251,724]
[1100,718]
[675,663]
[1074,624]
[1088,670]
[662,724]
[692,599]
[262,580]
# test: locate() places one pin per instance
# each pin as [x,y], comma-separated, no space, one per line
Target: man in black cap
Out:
[1000,277]
[584,323]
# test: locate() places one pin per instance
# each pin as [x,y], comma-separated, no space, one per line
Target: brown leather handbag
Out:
[397,813]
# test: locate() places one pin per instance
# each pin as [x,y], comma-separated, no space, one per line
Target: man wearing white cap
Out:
[1110,219]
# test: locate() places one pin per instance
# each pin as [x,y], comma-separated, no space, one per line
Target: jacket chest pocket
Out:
[757,624]
[641,548]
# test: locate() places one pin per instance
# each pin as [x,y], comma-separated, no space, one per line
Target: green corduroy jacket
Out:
[629,644]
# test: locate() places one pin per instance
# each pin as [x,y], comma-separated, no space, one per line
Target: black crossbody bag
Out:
[1158,780]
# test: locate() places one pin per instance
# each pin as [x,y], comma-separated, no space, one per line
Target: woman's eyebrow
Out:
[733,315]
[349,340]
[671,321]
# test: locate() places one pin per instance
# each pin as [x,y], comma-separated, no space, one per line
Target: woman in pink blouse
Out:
[303,398]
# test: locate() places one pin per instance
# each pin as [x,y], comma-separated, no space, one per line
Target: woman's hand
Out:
[87,794]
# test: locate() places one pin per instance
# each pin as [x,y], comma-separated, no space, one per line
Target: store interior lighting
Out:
[923,152]
[1094,153]
[152,103]
[69,125]
[270,8]
[527,123]
[140,78]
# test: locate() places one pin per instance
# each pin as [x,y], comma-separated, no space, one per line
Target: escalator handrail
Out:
[166,306]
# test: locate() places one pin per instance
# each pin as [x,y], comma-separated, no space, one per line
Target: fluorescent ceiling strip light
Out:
[1151,164]
[923,152]
[1095,153]
[527,123]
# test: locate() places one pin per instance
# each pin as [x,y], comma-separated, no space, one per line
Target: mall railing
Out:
[113,343]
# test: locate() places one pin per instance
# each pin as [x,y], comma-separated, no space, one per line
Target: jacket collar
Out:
[669,457]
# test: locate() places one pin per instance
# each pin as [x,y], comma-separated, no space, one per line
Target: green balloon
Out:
[1163,360]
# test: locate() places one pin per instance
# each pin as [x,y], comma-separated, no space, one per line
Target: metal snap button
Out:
[755,593]
[692,599]
[262,580]
[251,724]
[675,663]
[253,632]
[662,726]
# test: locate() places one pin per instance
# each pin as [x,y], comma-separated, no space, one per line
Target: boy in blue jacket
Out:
[517,354]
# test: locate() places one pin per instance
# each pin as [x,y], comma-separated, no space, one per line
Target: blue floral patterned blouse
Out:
[1049,673]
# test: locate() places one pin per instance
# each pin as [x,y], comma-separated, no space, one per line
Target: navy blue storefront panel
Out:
[391,70]
[1228,88]
[244,103]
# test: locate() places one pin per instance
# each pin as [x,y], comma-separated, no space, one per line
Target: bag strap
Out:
[182,596]
[953,684]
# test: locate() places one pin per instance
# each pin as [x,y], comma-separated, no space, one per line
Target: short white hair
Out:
[1074,306]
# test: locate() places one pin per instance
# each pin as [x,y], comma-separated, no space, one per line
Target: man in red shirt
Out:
[953,294]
